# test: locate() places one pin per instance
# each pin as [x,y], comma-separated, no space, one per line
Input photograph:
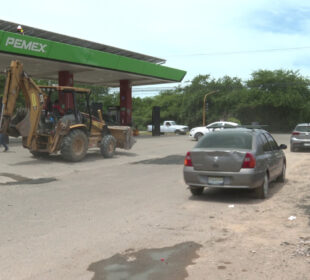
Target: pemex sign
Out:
[25,45]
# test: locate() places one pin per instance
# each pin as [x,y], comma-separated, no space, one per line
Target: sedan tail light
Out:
[295,133]
[188,160]
[249,161]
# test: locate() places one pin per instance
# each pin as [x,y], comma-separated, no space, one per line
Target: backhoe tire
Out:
[74,145]
[108,146]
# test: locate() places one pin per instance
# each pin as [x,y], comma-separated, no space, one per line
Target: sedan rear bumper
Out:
[244,179]
[300,143]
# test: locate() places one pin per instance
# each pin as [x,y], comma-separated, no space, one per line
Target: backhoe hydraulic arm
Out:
[16,81]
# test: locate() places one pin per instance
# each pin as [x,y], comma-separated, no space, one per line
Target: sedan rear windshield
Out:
[303,128]
[226,139]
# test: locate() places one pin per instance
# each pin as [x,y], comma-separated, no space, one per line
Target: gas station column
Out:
[125,102]
[65,78]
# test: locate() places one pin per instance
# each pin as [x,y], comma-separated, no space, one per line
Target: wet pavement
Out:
[148,264]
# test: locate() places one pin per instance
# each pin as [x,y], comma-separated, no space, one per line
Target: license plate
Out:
[307,144]
[215,180]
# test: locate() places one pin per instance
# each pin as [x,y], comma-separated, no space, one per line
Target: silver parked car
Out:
[300,137]
[235,158]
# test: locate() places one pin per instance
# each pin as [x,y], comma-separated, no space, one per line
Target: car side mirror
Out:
[282,147]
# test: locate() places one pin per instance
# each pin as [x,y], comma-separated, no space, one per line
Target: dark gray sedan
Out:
[235,158]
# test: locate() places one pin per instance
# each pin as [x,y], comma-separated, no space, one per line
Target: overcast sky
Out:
[220,37]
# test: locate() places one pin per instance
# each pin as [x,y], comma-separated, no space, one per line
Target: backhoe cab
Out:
[57,118]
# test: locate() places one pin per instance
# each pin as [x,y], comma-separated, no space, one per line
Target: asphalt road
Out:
[130,217]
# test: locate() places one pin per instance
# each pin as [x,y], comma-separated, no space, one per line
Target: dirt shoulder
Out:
[254,239]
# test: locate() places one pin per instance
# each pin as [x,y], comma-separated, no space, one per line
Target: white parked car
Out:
[197,132]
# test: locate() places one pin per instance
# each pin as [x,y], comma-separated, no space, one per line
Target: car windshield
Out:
[214,125]
[172,123]
[303,128]
[226,139]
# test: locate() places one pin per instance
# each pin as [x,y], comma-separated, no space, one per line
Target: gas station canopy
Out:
[44,54]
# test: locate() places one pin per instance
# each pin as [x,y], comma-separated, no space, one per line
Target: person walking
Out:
[4,140]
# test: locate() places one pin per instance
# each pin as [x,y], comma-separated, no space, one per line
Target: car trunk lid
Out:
[226,161]
[301,135]
[302,132]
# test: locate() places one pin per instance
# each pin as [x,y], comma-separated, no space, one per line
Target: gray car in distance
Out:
[235,158]
[300,137]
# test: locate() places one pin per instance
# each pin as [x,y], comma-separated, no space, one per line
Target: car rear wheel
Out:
[196,190]
[198,136]
[293,149]
[262,191]
[281,178]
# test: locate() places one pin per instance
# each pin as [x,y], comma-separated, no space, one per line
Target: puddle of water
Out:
[147,264]
[14,179]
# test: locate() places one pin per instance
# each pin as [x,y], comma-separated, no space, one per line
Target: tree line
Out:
[279,99]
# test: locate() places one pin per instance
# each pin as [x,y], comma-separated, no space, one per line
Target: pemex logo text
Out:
[26,45]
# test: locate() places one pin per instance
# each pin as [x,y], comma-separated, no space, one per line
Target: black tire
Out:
[196,190]
[108,146]
[37,154]
[262,191]
[74,145]
[281,178]
[198,135]
[177,132]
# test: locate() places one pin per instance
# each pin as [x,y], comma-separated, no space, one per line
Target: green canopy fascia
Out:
[29,46]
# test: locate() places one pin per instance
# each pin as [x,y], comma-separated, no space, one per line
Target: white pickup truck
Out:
[170,126]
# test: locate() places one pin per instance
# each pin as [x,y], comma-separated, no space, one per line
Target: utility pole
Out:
[204,107]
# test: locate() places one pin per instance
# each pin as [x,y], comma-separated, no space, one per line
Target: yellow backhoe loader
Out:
[46,130]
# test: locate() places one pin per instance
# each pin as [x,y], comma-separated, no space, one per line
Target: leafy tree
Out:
[279,98]
[142,112]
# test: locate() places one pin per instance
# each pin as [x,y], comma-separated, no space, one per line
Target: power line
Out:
[155,89]
[242,52]
[243,85]
[148,89]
